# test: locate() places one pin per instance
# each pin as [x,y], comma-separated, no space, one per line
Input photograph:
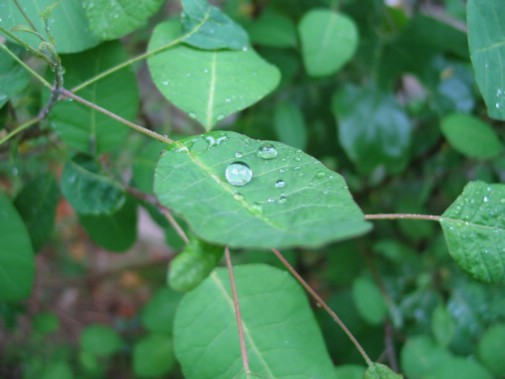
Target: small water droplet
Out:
[227,100]
[192,114]
[183,149]
[245,48]
[238,154]
[219,117]
[486,199]
[267,151]
[283,170]
[280,184]
[270,200]
[297,159]
[165,82]
[283,199]
[238,196]
[320,175]
[257,208]
[238,174]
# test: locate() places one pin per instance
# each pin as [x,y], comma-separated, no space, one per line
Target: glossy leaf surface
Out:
[209,28]
[328,41]
[278,197]
[36,204]
[87,190]
[114,19]
[67,23]
[474,229]
[372,127]
[471,136]
[208,85]
[86,129]
[16,254]
[278,324]
[13,77]
[486,37]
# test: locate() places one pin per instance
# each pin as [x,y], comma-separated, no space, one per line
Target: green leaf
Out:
[419,355]
[474,229]
[193,264]
[273,30]
[491,347]
[87,190]
[100,340]
[17,264]
[290,125]
[372,128]
[67,23]
[349,371]
[116,231]
[442,325]
[158,315]
[471,136]
[46,323]
[208,85]
[114,19]
[210,28]
[57,370]
[380,371]
[153,356]
[144,163]
[86,129]
[460,368]
[486,38]
[279,327]
[369,300]
[328,39]
[248,193]
[13,77]
[36,204]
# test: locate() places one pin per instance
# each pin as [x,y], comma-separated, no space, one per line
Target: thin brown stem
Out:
[114,116]
[398,216]
[172,221]
[243,348]
[325,306]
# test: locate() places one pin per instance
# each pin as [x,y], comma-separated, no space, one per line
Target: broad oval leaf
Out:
[36,204]
[420,354]
[369,300]
[491,348]
[67,23]
[486,38]
[208,85]
[193,264]
[86,129]
[243,192]
[46,323]
[372,128]
[279,327]
[471,136]
[87,190]
[442,325]
[328,41]
[273,30]
[17,262]
[380,371]
[209,28]
[115,232]
[56,370]
[158,315]
[100,340]
[153,356]
[13,77]
[474,229]
[114,19]
[290,125]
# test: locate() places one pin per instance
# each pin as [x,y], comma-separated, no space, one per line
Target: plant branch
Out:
[180,232]
[243,347]
[400,216]
[19,129]
[25,16]
[324,306]
[138,128]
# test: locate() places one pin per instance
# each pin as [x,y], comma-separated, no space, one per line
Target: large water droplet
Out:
[280,184]
[238,174]
[267,151]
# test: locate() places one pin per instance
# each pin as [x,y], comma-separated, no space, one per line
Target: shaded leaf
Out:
[153,356]
[100,340]
[486,38]
[67,23]
[273,30]
[349,371]
[278,325]
[115,231]
[46,323]
[114,19]
[328,41]
[158,315]
[460,368]
[87,190]
[474,229]
[84,128]
[442,325]
[290,125]
[211,29]
[17,264]
[372,128]
[369,300]
[191,267]
[144,163]
[419,355]
[247,193]
[13,77]
[380,371]
[36,204]
[471,136]
[57,370]
[491,347]
[208,85]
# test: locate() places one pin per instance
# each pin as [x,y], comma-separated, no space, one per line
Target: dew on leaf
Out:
[320,175]
[267,151]
[192,114]
[238,196]
[283,199]
[238,174]
[238,154]
[280,183]
[219,117]
[257,208]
